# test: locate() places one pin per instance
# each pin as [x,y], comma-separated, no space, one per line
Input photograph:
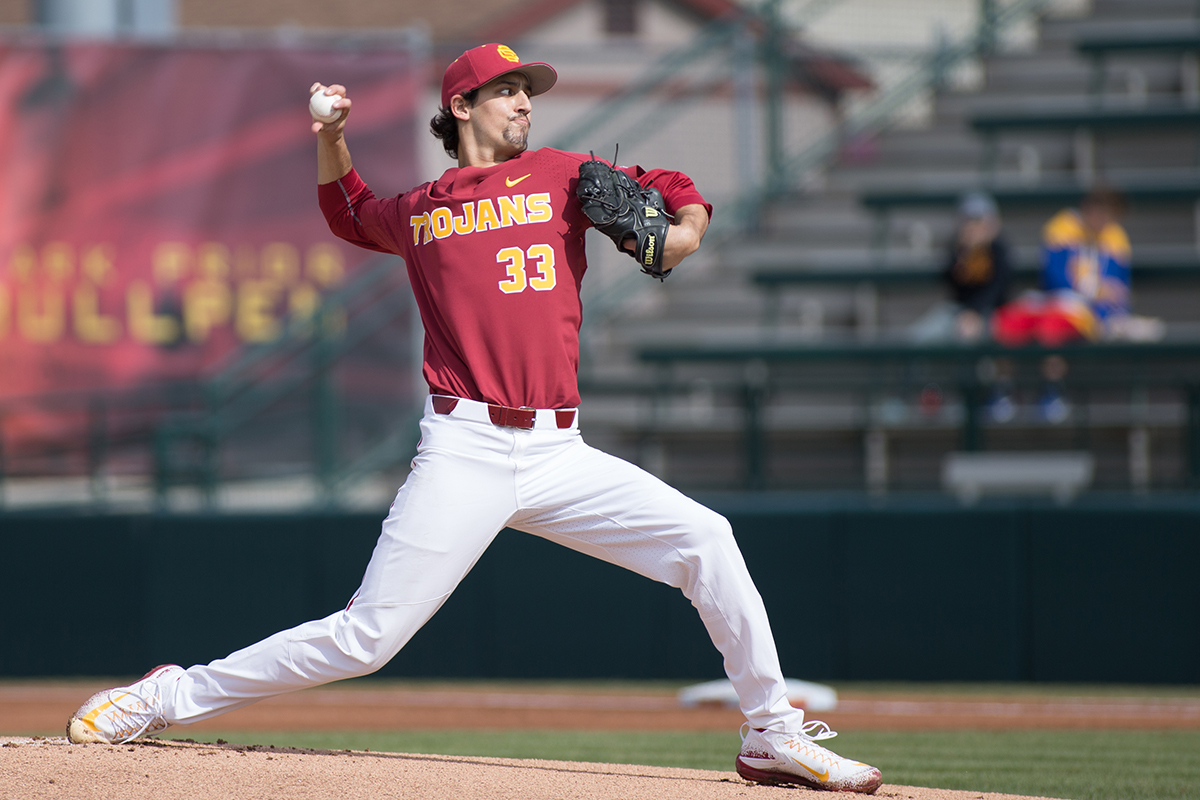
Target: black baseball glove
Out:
[621,209]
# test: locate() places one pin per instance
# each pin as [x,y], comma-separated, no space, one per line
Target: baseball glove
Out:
[621,209]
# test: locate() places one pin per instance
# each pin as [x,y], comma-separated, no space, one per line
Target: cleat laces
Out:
[817,730]
[814,730]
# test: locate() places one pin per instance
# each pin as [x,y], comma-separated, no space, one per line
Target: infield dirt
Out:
[32,767]
[53,768]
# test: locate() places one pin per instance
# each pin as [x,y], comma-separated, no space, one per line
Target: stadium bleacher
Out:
[1175,37]
[794,345]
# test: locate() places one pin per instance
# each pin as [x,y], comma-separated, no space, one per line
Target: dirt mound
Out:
[35,768]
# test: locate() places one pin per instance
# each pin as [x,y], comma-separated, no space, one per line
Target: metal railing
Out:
[257,379]
[728,32]
[878,115]
[85,435]
[187,433]
[188,425]
[784,171]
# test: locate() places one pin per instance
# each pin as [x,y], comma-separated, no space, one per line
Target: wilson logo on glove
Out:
[651,252]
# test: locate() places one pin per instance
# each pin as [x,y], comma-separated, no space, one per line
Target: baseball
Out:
[321,106]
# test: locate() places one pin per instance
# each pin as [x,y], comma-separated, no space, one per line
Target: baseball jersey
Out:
[1094,268]
[979,275]
[495,256]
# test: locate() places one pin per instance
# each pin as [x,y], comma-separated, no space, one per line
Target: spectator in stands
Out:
[1084,293]
[1085,278]
[977,271]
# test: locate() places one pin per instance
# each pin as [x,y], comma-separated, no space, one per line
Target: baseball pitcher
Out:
[495,255]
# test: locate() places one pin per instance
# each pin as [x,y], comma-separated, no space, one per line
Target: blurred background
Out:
[195,375]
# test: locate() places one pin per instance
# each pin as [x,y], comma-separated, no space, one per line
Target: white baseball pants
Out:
[470,480]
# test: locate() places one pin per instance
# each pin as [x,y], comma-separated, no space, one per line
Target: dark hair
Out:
[445,127]
[1106,197]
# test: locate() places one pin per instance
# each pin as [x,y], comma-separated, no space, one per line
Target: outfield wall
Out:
[915,590]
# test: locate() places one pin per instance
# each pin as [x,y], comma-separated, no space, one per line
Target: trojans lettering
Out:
[481,215]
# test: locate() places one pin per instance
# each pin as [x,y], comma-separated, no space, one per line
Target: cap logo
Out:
[507,54]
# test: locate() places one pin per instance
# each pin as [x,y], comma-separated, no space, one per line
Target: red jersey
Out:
[495,257]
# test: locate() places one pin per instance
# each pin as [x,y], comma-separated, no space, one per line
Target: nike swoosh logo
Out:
[821,776]
[509,182]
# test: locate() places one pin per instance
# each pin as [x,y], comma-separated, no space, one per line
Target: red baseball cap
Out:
[487,62]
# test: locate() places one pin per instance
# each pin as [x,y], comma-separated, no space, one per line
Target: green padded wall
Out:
[857,590]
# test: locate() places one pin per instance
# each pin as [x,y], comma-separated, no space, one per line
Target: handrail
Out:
[717,33]
[237,396]
[230,385]
[234,373]
[879,115]
[234,392]
[666,67]
[248,403]
[737,215]
[132,397]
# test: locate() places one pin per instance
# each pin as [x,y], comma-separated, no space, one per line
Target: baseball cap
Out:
[487,62]
[977,205]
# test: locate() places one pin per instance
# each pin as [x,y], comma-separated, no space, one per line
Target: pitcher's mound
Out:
[54,768]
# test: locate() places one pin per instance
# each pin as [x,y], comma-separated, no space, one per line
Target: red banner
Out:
[159,204]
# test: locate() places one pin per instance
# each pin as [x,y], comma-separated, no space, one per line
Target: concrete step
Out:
[943,147]
[1026,154]
[784,251]
[1062,73]
[1123,77]
[1142,9]
[730,298]
[815,223]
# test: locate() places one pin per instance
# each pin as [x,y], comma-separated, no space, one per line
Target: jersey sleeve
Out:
[1054,268]
[1060,238]
[677,189]
[1113,297]
[356,215]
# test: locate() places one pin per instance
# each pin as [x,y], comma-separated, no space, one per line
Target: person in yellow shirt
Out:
[1084,292]
[1084,282]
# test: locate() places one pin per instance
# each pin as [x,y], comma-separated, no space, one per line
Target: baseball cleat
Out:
[116,716]
[796,758]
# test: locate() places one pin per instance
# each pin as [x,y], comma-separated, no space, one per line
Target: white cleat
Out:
[796,758]
[116,716]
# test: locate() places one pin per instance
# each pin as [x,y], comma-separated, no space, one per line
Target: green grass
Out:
[1083,765]
[1080,765]
[1046,690]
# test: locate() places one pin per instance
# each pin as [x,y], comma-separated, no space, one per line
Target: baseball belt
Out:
[506,416]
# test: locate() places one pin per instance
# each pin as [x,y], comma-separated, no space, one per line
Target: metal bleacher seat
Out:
[1084,120]
[1156,186]
[1160,37]
[1061,475]
[1170,266]
[1088,114]
[877,366]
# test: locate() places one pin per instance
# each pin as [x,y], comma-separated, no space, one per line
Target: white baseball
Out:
[321,106]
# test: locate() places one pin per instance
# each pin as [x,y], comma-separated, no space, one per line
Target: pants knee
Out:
[715,537]
[369,637]
[711,559]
